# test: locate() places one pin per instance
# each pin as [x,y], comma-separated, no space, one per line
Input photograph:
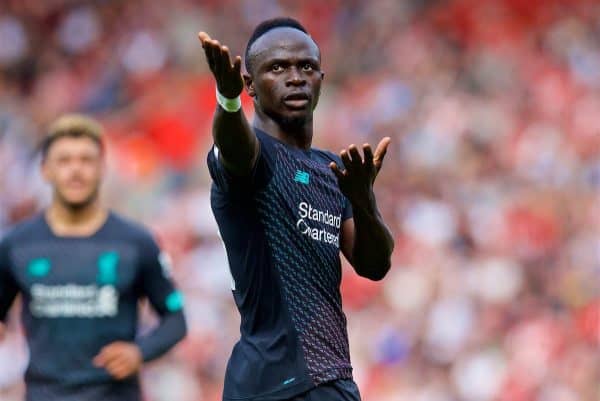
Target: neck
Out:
[81,221]
[295,135]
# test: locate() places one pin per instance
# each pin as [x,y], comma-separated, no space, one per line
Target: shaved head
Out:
[275,40]
[267,27]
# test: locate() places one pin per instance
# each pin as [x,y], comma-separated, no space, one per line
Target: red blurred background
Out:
[492,184]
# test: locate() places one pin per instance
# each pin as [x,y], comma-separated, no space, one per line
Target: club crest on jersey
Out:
[302,177]
[107,267]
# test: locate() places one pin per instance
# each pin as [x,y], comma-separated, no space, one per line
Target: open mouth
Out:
[297,100]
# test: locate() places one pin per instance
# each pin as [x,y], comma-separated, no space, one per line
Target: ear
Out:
[249,83]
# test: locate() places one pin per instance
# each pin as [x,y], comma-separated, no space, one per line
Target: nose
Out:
[295,78]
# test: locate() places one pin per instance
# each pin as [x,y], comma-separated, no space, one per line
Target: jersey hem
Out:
[276,395]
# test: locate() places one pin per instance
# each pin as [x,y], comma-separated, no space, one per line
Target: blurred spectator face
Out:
[74,168]
[285,77]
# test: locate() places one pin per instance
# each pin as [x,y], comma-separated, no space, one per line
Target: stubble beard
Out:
[75,207]
[292,124]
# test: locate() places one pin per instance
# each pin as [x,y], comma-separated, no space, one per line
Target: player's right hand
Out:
[2,331]
[120,359]
[228,76]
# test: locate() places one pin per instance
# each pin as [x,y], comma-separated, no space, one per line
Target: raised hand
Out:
[121,359]
[227,75]
[356,180]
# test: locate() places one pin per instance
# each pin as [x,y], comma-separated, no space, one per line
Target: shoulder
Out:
[327,156]
[25,230]
[268,144]
[129,229]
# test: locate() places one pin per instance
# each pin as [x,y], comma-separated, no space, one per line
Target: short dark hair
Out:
[72,125]
[266,26]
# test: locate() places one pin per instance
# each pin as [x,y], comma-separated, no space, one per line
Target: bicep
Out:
[229,182]
[241,164]
[347,239]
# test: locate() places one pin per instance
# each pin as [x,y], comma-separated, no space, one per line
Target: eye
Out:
[276,68]
[307,67]
[87,159]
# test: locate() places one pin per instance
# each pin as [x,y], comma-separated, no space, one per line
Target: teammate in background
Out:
[81,270]
[284,211]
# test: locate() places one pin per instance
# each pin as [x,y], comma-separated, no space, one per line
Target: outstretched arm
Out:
[237,143]
[366,241]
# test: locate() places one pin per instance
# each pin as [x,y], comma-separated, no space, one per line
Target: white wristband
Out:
[229,105]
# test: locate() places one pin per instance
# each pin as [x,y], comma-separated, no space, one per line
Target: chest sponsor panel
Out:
[302,214]
[83,281]
[73,300]
[318,225]
[308,190]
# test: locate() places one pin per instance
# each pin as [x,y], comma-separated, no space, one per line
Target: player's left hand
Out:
[356,180]
[121,359]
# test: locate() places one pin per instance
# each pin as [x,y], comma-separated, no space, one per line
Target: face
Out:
[286,75]
[74,167]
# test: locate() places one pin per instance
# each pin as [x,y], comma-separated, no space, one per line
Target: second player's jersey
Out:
[281,227]
[80,294]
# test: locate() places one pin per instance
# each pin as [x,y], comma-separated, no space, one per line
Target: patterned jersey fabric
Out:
[281,228]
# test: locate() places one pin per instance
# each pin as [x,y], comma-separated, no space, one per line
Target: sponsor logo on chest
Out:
[100,299]
[73,300]
[310,215]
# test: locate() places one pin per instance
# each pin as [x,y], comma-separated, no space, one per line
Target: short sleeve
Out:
[156,279]
[258,177]
[8,286]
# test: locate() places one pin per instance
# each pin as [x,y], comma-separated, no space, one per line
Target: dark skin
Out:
[284,79]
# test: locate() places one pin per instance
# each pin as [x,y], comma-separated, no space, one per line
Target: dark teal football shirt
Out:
[80,294]
[281,228]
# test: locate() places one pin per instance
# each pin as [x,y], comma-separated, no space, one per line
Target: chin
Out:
[293,122]
[78,205]
[78,202]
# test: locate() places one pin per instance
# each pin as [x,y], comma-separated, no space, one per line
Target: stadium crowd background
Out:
[492,184]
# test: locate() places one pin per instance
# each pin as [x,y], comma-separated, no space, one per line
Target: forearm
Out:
[171,329]
[373,243]
[238,146]
[236,140]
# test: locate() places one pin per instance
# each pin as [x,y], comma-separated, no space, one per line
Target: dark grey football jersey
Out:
[80,294]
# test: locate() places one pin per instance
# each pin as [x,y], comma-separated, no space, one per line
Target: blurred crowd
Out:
[491,185]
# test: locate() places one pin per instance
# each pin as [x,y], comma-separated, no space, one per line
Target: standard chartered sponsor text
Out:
[73,300]
[309,214]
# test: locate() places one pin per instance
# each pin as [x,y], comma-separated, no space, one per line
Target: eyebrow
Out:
[312,60]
